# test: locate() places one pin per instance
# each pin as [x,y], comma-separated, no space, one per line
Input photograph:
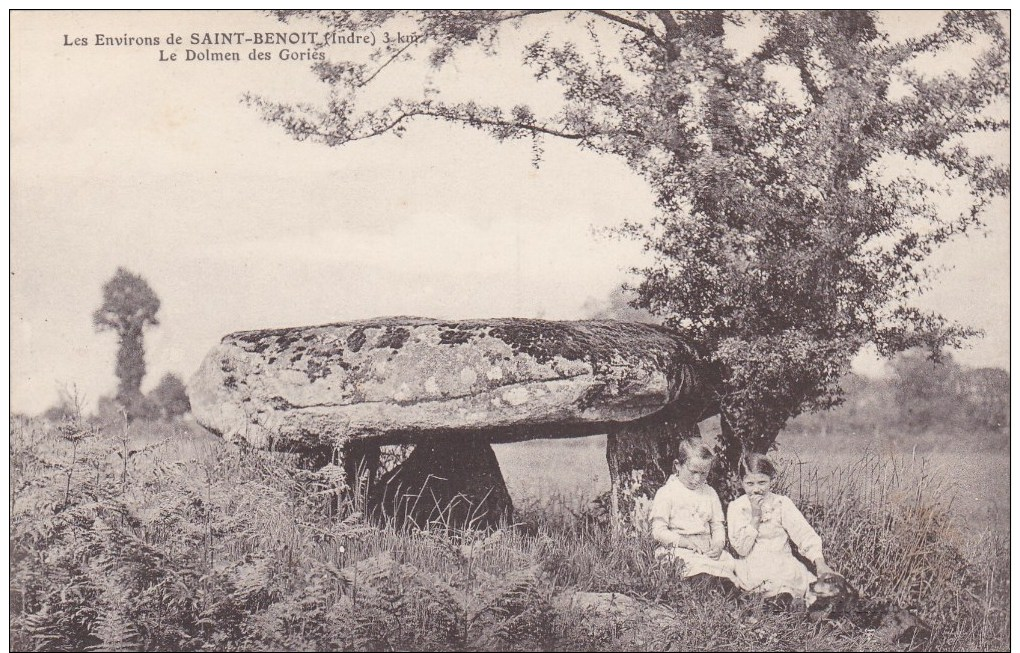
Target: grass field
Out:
[161,537]
[976,485]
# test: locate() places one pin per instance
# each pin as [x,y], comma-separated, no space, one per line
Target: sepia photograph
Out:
[516,329]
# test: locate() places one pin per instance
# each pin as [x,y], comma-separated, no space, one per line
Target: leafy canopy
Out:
[801,164]
[128,304]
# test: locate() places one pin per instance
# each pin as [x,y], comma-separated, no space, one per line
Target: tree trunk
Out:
[725,474]
[640,456]
[454,484]
[130,368]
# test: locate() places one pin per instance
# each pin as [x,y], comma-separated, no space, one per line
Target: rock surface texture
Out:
[395,380]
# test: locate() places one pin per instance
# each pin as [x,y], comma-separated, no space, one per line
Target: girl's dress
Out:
[678,510]
[766,563]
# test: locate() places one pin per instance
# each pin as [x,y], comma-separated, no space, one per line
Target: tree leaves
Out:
[801,187]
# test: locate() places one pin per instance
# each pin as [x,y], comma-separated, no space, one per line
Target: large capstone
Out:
[399,380]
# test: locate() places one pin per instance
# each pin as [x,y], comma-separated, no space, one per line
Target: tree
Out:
[617,306]
[946,397]
[929,394]
[987,398]
[170,397]
[129,305]
[800,179]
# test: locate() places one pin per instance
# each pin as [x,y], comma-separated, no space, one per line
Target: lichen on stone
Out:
[356,340]
[392,337]
[279,403]
[396,378]
[317,370]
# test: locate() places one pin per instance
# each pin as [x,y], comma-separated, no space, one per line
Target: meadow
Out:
[973,484]
[158,536]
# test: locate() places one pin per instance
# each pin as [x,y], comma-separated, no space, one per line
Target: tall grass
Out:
[152,538]
[889,526]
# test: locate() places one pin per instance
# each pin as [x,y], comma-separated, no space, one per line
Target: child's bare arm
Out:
[717,528]
[698,543]
[718,535]
[667,536]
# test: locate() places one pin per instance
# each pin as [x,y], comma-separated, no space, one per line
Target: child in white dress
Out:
[761,526]
[687,517]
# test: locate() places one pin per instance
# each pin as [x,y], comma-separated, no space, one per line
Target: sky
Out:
[118,159]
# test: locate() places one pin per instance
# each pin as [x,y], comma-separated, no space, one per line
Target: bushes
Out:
[170,398]
[920,401]
[190,543]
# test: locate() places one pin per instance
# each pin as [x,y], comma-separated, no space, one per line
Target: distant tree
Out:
[945,396]
[59,412]
[799,184]
[920,396]
[618,306]
[129,305]
[928,393]
[987,392]
[68,406]
[170,397]
[109,411]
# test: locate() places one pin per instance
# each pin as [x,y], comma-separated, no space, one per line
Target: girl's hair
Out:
[756,463]
[693,448]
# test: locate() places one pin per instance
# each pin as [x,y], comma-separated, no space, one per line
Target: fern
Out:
[253,583]
[114,627]
[205,546]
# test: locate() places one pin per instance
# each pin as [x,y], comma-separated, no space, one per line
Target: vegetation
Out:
[129,305]
[146,536]
[923,398]
[802,164]
[128,534]
[169,398]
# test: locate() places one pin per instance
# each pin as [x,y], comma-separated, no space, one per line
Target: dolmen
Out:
[452,389]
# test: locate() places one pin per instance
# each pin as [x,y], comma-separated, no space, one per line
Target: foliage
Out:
[147,537]
[801,162]
[921,397]
[129,305]
[170,397]
[938,394]
[617,306]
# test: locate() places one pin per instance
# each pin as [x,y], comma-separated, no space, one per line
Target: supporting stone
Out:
[361,464]
[454,484]
[640,456]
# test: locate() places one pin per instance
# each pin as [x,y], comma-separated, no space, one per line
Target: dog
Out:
[836,598]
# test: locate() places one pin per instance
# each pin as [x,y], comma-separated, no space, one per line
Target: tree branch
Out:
[405,115]
[808,80]
[378,70]
[668,22]
[644,29]
[474,121]
[529,12]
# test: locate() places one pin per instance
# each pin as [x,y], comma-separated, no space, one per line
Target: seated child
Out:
[761,527]
[687,517]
